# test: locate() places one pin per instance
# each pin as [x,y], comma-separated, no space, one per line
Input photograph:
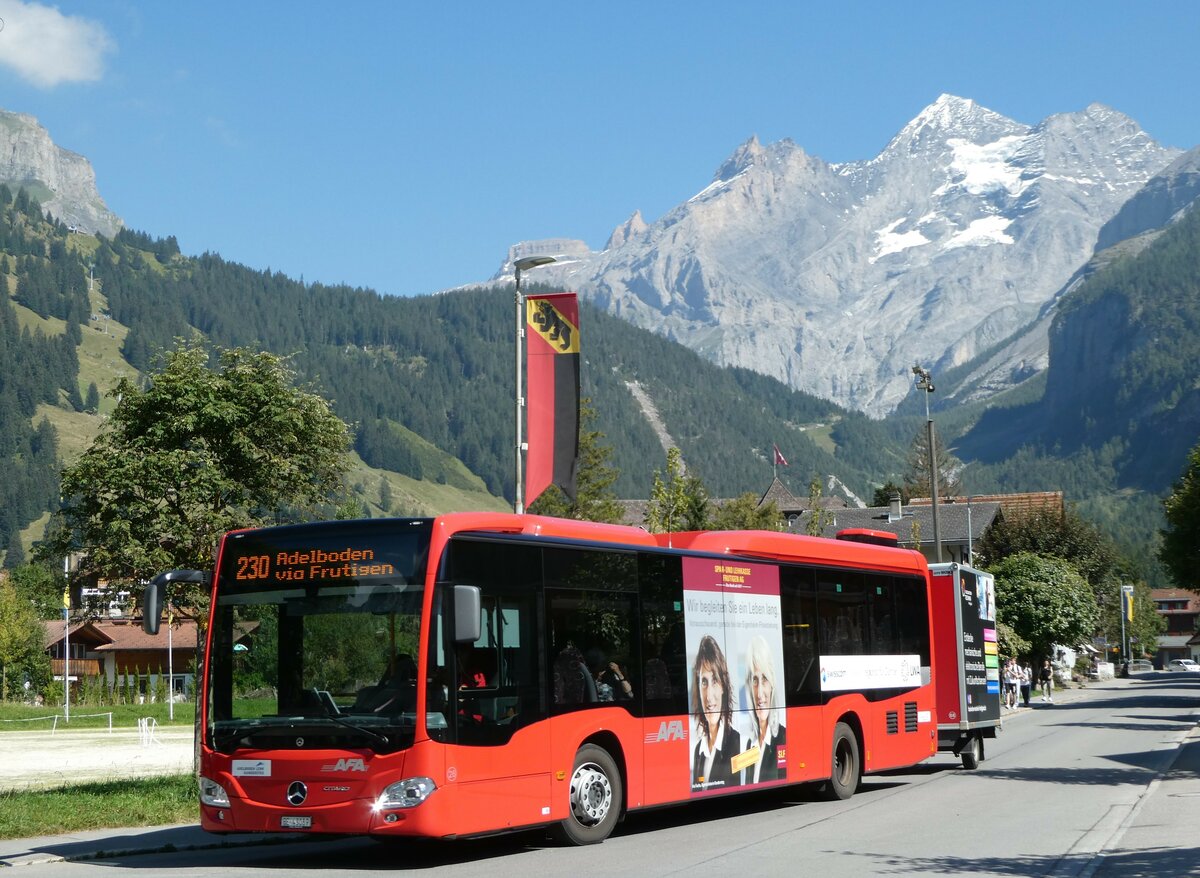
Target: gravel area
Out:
[42,759]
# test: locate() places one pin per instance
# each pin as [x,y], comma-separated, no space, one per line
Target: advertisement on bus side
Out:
[736,684]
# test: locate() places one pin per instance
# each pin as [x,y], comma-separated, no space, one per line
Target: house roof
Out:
[956,521]
[1013,505]
[1177,594]
[787,502]
[104,635]
[80,632]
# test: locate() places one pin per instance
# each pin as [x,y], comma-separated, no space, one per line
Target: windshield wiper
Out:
[381,738]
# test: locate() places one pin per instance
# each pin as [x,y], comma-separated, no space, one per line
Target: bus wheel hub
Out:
[591,794]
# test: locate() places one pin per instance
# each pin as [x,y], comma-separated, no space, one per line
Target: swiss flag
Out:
[780,460]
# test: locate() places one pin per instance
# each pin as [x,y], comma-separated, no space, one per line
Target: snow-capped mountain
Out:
[837,278]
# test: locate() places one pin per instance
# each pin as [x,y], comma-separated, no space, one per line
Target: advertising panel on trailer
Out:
[967,660]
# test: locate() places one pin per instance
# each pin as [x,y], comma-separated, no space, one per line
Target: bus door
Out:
[493,690]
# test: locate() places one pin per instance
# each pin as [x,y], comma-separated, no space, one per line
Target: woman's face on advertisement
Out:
[760,691]
[711,692]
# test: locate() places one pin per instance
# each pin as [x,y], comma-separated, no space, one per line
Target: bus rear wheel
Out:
[845,769]
[595,797]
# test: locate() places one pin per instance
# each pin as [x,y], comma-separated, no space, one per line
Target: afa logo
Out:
[671,731]
[346,765]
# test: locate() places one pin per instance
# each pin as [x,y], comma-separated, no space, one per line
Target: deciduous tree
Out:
[197,452]
[744,513]
[1044,600]
[21,652]
[1180,552]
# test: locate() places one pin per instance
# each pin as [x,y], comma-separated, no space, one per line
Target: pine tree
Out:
[594,498]
[678,501]
[385,494]
[916,480]
[14,555]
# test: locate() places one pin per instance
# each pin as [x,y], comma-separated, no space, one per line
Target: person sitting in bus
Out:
[612,683]
[717,741]
[396,690]
[768,735]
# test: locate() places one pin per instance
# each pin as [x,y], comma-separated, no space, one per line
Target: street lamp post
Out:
[925,382]
[1126,602]
[521,265]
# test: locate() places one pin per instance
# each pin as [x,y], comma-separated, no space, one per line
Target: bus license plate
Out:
[295,822]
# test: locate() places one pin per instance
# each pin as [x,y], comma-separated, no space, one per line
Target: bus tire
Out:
[594,798]
[972,754]
[845,767]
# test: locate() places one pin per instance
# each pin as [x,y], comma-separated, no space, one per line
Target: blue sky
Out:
[404,146]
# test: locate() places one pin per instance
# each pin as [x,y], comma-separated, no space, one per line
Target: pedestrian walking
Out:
[1026,683]
[1046,679]
[1011,678]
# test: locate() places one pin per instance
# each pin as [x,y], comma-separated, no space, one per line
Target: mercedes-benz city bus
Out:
[480,672]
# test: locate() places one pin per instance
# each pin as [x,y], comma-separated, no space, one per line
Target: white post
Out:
[170,665]
[66,640]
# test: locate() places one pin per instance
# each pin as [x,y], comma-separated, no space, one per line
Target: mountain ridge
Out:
[63,181]
[835,278]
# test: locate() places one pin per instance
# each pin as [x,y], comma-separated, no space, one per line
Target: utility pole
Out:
[925,382]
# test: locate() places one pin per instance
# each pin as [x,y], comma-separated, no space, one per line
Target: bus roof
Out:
[796,547]
[542,526]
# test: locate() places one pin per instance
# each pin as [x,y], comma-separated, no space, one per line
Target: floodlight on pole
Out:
[925,382]
[524,264]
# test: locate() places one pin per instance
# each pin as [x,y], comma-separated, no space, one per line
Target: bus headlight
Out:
[212,793]
[407,793]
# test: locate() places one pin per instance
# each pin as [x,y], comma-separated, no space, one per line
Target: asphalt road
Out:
[1104,783]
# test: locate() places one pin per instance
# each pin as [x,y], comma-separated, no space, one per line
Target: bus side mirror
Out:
[155,593]
[468,607]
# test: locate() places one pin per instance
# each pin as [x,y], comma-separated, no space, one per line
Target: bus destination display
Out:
[310,565]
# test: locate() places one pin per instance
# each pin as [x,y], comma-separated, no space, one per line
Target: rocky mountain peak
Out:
[632,227]
[61,180]
[951,117]
[743,158]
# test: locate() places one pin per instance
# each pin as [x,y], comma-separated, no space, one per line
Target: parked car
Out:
[1182,665]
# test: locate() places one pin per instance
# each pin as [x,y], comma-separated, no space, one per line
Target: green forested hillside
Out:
[1121,404]
[428,382]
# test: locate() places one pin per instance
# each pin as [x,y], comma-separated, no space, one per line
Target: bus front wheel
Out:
[846,769]
[595,798]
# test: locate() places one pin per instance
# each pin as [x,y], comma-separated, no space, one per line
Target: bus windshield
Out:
[315,635]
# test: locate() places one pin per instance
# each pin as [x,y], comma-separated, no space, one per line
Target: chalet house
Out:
[1180,608]
[113,649]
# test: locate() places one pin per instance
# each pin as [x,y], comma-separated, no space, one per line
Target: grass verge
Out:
[27,718]
[153,801]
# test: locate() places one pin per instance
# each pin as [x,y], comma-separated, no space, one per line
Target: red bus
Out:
[481,672]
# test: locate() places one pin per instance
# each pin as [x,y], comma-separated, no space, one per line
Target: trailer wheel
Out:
[972,754]
[846,769]
[595,798]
